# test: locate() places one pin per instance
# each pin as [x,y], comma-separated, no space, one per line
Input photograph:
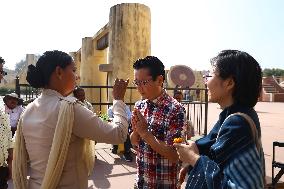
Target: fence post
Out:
[17,86]
[206,110]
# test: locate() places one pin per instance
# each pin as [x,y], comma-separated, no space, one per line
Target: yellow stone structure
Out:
[130,39]
[111,52]
[30,59]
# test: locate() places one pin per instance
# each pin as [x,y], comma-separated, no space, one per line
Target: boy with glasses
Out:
[157,119]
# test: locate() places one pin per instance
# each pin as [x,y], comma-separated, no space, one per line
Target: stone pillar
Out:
[130,39]
[30,59]
[89,71]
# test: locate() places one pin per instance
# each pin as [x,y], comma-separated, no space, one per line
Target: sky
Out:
[183,32]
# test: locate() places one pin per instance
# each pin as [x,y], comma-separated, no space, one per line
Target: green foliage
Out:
[4,91]
[273,71]
[104,117]
[19,66]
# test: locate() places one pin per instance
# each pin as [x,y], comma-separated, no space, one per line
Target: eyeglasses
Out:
[141,82]
[206,77]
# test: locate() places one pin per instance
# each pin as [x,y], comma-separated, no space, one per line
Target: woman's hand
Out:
[119,89]
[188,153]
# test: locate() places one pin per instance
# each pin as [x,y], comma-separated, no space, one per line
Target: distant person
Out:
[13,109]
[188,129]
[6,143]
[176,89]
[127,144]
[55,131]
[157,119]
[178,96]
[197,93]
[187,93]
[79,93]
[231,155]
[3,73]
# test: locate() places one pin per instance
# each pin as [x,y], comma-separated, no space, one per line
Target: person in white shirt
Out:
[127,144]
[79,93]
[13,109]
[188,129]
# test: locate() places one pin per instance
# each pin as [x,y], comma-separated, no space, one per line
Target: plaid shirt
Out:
[165,117]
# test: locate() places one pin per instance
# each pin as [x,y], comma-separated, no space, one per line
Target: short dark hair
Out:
[38,76]
[177,93]
[77,89]
[244,70]
[2,61]
[153,64]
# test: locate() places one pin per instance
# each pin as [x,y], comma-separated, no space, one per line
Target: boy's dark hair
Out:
[2,61]
[77,89]
[177,93]
[153,64]
[244,70]
[38,76]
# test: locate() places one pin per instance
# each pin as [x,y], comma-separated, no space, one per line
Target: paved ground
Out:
[112,172]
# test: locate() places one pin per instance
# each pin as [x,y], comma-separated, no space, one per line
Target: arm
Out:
[161,147]
[89,125]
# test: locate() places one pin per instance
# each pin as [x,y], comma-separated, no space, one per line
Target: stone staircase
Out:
[271,90]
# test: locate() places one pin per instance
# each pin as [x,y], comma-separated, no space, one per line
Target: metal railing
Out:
[196,106]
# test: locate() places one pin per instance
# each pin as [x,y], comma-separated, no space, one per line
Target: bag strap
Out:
[257,139]
[252,125]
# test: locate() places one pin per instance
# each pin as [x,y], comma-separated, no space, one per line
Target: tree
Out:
[20,66]
[273,71]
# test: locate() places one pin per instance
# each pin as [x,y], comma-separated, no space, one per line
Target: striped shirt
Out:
[232,159]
